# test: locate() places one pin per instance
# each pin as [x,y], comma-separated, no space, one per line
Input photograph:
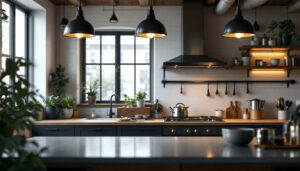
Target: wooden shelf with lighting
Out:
[287,48]
[269,68]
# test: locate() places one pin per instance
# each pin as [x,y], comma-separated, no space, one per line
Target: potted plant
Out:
[91,90]
[286,31]
[245,56]
[129,101]
[272,32]
[67,107]
[140,99]
[58,81]
[51,111]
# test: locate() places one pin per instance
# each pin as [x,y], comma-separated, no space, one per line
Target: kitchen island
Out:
[178,153]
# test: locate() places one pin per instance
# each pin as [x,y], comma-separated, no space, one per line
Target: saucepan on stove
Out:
[179,111]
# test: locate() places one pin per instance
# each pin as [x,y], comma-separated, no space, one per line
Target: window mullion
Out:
[134,48]
[118,67]
[100,67]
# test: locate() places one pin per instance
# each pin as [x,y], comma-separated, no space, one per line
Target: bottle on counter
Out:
[245,114]
[264,40]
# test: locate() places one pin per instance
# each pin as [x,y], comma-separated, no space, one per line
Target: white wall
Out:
[170,46]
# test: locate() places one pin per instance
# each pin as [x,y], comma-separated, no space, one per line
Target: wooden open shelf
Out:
[250,68]
[287,48]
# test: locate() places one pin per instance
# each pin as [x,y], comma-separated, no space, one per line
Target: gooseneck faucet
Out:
[110,105]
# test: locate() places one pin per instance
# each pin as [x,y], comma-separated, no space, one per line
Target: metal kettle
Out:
[179,111]
[256,104]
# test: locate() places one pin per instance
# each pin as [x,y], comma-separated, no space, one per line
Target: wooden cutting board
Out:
[236,111]
[229,111]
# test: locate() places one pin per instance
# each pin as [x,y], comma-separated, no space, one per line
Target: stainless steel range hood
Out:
[193,39]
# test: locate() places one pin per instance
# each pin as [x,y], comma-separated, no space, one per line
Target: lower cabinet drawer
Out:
[53,131]
[96,131]
[140,131]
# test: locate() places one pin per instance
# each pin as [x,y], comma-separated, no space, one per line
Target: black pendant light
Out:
[150,27]
[238,27]
[64,21]
[79,27]
[113,18]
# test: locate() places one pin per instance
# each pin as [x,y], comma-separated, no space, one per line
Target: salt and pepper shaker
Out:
[245,114]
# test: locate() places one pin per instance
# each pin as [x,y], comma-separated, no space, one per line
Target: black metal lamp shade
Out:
[150,27]
[238,27]
[79,27]
[113,18]
[64,21]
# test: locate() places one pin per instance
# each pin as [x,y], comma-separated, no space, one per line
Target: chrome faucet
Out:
[110,105]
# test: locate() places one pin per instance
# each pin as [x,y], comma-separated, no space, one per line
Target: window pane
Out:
[5,30]
[127,81]
[20,33]
[108,81]
[6,79]
[142,50]
[143,79]
[93,74]
[93,50]
[127,49]
[108,49]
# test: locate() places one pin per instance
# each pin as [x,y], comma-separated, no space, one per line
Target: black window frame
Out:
[117,66]
[12,33]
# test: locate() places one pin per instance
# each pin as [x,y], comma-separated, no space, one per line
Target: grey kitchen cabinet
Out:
[140,131]
[53,130]
[96,131]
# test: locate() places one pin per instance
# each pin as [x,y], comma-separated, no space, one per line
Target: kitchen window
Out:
[15,35]
[121,62]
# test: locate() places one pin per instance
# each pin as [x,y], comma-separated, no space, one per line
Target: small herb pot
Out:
[67,113]
[91,99]
[140,103]
[51,112]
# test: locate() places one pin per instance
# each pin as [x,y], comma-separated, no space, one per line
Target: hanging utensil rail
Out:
[287,82]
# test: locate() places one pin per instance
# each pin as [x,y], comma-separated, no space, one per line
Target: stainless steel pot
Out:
[265,136]
[179,111]
[256,104]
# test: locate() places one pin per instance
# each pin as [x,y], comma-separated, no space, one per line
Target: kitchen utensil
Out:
[247,88]
[219,113]
[181,90]
[238,136]
[288,104]
[283,115]
[208,93]
[275,61]
[257,61]
[145,116]
[281,104]
[217,89]
[287,132]
[236,110]
[255,114]
[229,111]
[264,40]
[226,91]
[295,133]
[262,63]
[233,93]
[138,116]
[265,136]
[158,116]
[156,105]
[180,110]
[256,104]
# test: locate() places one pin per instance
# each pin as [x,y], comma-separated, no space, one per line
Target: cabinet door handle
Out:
[146,130]
[95,129]
[53,129]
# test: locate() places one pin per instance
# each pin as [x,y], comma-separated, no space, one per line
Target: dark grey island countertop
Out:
[157,150]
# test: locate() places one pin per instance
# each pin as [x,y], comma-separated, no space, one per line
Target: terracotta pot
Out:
[92,99]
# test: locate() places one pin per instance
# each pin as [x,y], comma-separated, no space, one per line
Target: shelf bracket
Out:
[248,72]
[164,76]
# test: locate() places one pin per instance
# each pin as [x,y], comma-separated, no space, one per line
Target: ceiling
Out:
[146,2]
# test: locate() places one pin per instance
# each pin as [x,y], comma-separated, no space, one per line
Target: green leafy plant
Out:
[3,15]
[272,29]
[18,105]
[140,95]
[245,53]
[286,28]
[52,101]
[58,81]
[67,102]
[129,101]
[91,88]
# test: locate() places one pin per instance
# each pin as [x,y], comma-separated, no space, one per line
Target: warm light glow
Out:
[79,35]
[239,35]
[270,72]
[150,35]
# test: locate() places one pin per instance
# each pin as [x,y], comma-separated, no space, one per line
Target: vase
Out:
[91,99]
[51,112]
[67,113]
[140,103]
[287,40]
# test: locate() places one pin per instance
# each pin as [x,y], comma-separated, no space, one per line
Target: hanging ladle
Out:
[181,90]
[226,91]
[217,89]
[247,90]
[208,93]
[233,93]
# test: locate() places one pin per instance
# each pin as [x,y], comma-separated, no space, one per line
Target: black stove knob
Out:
[173,131]
[196,131]
[188,131]
[208,130]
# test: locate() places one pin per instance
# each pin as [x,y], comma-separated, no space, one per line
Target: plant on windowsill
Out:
[67,107]
[91,90]
[18,109]
[129,101]
[140,99]
[51,109]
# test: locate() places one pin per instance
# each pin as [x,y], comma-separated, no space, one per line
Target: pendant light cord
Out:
[79,4]
[64,8]
[255,14]
[151,4]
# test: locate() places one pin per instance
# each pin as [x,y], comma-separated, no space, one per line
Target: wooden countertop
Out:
[116,122]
